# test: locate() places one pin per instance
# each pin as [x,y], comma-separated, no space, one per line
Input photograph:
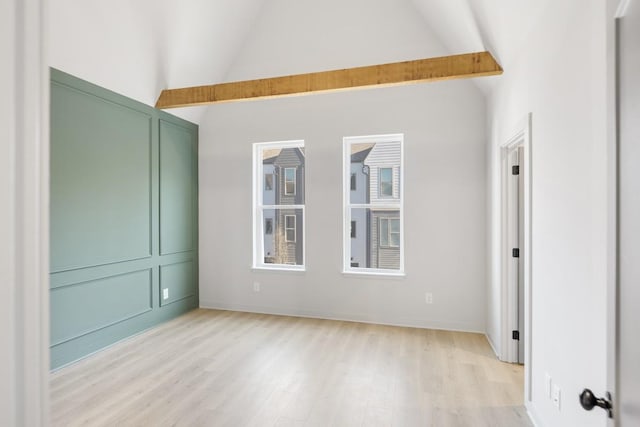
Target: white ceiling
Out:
[140,47]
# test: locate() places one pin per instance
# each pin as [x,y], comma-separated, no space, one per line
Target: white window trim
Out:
[289,228]
[396,203]
[294,181]
[258,207]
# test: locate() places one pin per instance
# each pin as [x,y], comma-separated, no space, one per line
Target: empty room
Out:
[320,213]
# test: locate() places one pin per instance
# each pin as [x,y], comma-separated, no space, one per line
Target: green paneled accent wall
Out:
[177,194]
[124,226]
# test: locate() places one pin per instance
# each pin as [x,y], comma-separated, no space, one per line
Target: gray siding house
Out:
[383,163]
[360,218]
[283,236]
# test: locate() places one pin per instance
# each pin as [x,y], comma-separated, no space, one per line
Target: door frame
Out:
[616,9]
[509,305]
[25,215]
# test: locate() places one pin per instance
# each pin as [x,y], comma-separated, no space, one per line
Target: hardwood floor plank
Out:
[221,368]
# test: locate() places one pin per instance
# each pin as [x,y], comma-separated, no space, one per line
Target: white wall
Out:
[444,206]
[444,127]
[560,76]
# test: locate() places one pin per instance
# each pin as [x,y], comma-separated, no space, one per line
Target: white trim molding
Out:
[260,206]
[521,137]
[24,215]
[393,203]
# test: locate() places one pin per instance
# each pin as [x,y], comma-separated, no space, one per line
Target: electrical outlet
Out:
[547,385]
[428,297]
[556,396]
[165,293]
[256,286]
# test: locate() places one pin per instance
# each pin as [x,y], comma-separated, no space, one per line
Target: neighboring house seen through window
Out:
[389,232]
[386,182]
[375,204]
[279,208]
[290,181]
[290,228]
[268,181]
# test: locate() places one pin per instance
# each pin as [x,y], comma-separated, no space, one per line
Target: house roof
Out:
[359,152]
[269,156]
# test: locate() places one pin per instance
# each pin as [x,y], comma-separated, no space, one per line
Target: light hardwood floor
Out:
[222,368]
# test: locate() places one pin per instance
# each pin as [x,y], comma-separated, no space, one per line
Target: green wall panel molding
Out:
[177,189]
[96,208]
[177,279]
[123,183]
[102,304]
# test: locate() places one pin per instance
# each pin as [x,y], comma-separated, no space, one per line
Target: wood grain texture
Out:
[221,368]
[418,71]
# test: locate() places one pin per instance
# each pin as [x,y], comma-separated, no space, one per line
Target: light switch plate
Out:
[165,293]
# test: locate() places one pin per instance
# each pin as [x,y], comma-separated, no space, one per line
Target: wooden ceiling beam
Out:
[399,73]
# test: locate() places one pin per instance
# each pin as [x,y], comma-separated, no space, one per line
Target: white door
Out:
[628,369]
[521,253]
[626,359]
[515,225]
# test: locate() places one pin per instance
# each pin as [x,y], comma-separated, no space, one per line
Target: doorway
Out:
[516,250]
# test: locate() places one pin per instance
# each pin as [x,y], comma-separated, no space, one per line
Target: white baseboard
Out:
[362,318]
[533,415]
[493,347]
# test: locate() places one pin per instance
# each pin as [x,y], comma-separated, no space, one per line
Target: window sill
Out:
[280,269]
[375,274]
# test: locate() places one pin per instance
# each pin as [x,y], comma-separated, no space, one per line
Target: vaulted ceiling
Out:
[140,47]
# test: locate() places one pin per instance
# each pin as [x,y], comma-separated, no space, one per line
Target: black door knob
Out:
[589,401]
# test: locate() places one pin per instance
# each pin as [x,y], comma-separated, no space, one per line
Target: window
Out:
[290,181]
[389,232]
[386,182]
[290,228]
[268,182]
[375,206]
[278,189]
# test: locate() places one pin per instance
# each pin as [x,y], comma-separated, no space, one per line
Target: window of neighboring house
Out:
[386,182]
[268,181]
[389,232]
[278,218]
[290,181]
[290,228]
[353,182]
[376,206]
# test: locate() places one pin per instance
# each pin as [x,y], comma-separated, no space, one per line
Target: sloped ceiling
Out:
[301,36]
[499,26]
[140,47]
